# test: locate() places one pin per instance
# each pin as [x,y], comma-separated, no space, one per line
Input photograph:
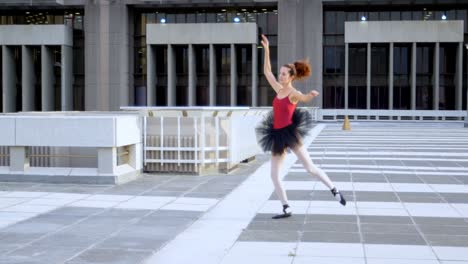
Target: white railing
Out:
[198,139]
[70,147]
[390,115]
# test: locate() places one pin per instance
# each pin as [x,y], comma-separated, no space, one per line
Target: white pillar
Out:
[212,85]
[9,80]
[459,79]
[67,78]
[136,156]
[151,76]
[466,117]
[346,80]
[435,103]
[233,75]
[19,162]
[192,75]
[390,77]
[47,79]
[107,160]
[254,74]
[171,76]
[368,79]
[413,76]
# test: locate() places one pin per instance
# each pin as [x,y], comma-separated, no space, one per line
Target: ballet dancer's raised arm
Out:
[267,66]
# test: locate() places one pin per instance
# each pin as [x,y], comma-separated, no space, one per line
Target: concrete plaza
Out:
[406,185]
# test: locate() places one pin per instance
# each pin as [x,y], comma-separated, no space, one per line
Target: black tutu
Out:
[278,140]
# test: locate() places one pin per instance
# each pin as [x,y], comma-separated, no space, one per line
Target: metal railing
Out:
[391,115]
[197,139]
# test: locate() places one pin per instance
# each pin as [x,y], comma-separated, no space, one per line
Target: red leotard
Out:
[283,111]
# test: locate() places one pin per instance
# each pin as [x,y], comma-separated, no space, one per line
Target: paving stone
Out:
[331,237]
[393,239]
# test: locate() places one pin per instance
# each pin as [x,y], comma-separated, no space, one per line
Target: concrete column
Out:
[19,162]
[67,78]
[300,34]
[346,76]
[254,75]
[171,76]
[28,79]
[233,75]
[212,86]
[435,103]
[192,78]
[108,67]
[459,79]
[390,77]
[107,160]
[136,156]
[368,78]
[151,76]
[9,80]
[47,79]
[413,76]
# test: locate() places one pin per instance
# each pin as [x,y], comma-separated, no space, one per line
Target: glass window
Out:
[201,17]
[351,16]
[151,18]
[171,18]
[180,18]
[425,58]
[330,22]
[340,59]
[273,23]
[451,15]
[379,59]
[417,15]
[395,15]
[373,16]
[379,78]
[424,76]
[222,18]
[211,18]
[329,40]
[384,16]
[191,18]
[406,15]
[358,59]
[329,59]
[340,18]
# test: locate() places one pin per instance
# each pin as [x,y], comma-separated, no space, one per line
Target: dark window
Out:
[379,76]
[223,75]
[202,60]
[424,72]
[181,67]
[447,70]
[357,83]
[401,76]
[333,91]
[161,75]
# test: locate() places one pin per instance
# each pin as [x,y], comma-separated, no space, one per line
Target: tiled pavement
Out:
[405,184]
[59,223]
[407,199]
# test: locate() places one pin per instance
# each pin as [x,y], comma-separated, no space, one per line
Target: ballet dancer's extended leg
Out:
[276,165]
[312,169]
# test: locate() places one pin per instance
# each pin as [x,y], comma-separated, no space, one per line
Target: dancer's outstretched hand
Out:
[265,42]
[314,93]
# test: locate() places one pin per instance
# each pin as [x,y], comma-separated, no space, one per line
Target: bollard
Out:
[346,124]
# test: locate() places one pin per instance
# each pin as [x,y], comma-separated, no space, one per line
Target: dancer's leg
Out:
[310,167]
[276,165]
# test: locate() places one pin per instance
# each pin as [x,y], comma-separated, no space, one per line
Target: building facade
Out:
[101,55]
